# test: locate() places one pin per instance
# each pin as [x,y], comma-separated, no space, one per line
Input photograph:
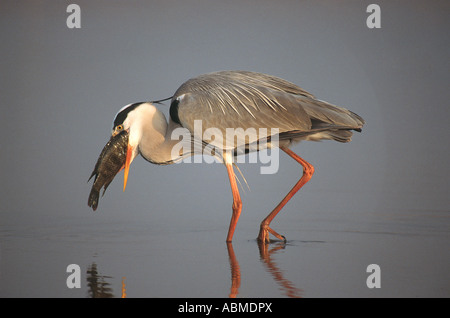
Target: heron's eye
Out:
[119,127]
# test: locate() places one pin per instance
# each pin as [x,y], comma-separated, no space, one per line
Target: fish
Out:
[109,163]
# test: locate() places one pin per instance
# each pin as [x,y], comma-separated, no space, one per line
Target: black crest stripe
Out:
[120,117]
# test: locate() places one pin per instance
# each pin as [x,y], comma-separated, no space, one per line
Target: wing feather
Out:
[241,99]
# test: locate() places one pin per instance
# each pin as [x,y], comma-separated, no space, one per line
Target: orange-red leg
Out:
[237,203]
[308,171]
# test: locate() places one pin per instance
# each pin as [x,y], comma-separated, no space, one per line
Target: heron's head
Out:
[132,119]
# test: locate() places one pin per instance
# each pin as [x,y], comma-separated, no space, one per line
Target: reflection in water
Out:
[124,290]
[98,287]
[235,272]
[286,285]
[289,289]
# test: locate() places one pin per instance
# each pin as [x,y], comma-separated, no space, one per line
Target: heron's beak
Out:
[127,165]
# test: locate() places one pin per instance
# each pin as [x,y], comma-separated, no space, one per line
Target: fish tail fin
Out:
[93,199]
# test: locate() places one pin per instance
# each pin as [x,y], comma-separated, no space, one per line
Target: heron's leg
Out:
[237,203]
[308,171]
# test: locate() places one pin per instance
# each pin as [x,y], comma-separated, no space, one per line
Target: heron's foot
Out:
[263,236]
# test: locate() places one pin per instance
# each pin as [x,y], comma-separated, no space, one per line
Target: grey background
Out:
[383,198]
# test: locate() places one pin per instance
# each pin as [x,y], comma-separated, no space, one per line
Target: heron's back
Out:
[242,99]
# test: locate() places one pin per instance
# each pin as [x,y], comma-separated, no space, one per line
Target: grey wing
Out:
[253,101]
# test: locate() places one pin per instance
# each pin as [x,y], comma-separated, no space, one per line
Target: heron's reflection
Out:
[235,271]
[289,289]
[266,257]
[98,287]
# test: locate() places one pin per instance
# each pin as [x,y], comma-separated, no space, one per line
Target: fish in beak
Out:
[112,159]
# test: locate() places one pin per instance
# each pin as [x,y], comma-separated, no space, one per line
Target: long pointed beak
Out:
[127,165]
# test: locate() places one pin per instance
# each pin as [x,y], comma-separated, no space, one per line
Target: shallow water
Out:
[321,258]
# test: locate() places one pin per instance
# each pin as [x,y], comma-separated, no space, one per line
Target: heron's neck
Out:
[156,144]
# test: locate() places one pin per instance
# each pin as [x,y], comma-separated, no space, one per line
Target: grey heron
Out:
[235,99]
